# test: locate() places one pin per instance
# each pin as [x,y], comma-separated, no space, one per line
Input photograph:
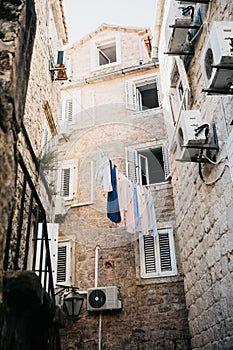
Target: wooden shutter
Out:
[130,95]
[67,180]
[164,251]
[65,190]
[52,230]
[166,162]
[149,254]
[158,254]
[63,263]
[143,169]
[69,109]
[131,165]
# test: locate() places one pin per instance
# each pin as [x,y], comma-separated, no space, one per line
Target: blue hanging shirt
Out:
[113,210]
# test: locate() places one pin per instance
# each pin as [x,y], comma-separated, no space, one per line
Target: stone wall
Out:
[154,314]
[17,28]
[204,208]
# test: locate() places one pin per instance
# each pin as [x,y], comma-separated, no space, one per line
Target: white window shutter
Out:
[166,162]
[67,181]
[63,263]
[65,190]
[164,252]
[157,254]
[130,95]
[143,169]
[149,268]
[52,230]
[69,109]
[131,165]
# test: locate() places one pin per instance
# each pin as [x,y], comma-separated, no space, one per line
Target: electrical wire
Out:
[216,179]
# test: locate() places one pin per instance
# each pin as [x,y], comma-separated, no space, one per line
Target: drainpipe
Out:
[111,74]
[158,23]
[96,264]
[97,248]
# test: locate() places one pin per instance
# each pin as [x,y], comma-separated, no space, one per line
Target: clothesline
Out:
[129,205]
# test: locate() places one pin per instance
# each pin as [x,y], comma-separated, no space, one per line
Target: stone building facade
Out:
[110,107]
[202,181]
[31,34]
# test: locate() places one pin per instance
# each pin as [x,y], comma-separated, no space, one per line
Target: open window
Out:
[157,254]
[107,53]
[148,166]
[142,94]
[179,89]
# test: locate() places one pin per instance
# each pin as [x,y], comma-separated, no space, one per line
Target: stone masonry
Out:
[154,312]
[204,206]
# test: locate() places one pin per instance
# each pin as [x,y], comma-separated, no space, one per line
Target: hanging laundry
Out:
[113,211]
[107,179]
[136,208]
[121,190]
[152,225]
[143,205]
[129,213]
[103,173]
[101,160]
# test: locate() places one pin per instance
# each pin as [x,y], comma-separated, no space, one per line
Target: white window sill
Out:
[81,204]
[105,66]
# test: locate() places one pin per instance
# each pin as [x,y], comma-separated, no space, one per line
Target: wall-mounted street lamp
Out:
[72,301]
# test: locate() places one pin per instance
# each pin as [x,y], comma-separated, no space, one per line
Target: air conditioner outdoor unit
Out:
[187,139]
[176,28]
[103,298]
[179,34]
[219,52]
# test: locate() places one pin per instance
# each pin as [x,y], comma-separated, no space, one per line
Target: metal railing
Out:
[22,236]
[25,249]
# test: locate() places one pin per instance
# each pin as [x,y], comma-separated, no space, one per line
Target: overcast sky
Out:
[83,16]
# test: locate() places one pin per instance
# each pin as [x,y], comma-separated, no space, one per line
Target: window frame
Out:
[73,166]
[102,41]
[179,89]
[133,95]
[101,48]
[155,257]
[133,156]
[70,106]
